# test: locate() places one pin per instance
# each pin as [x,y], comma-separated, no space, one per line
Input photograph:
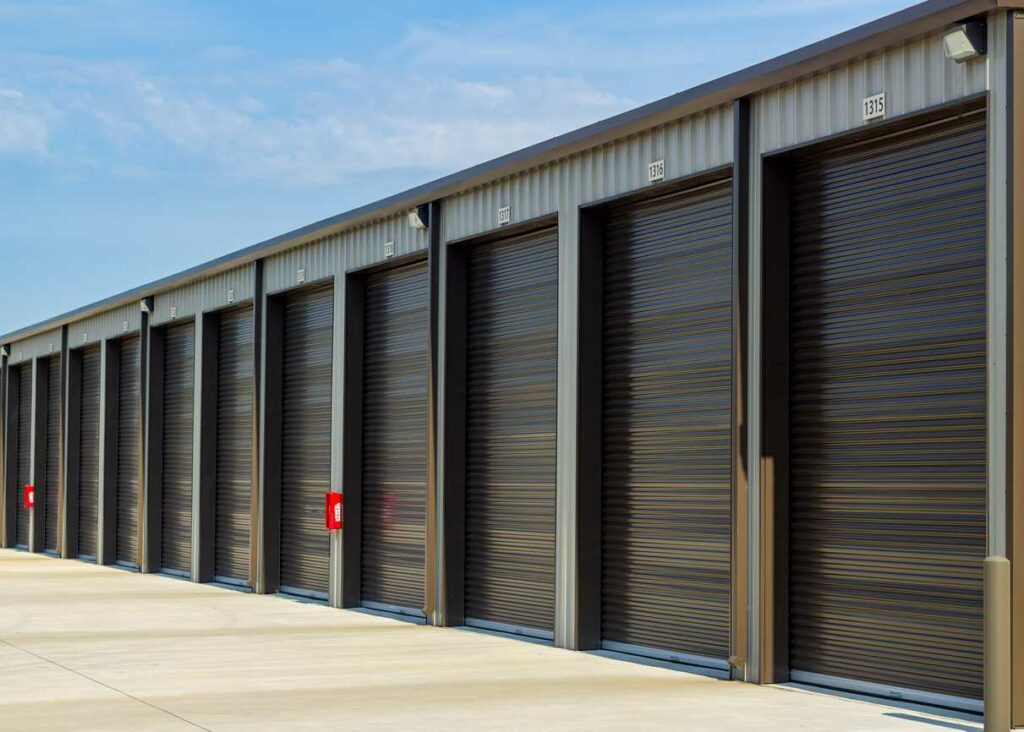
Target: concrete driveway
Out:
[95,648]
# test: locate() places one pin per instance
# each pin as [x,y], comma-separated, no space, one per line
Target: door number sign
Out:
[874,107]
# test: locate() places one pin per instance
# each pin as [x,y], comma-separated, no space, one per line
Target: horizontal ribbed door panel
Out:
[511,367]
[306,439]
[395,358]
[52,485]
[89,453]
[22,381]
[179,408]
[234,444]
[128,406]
[666,424]
[888,410]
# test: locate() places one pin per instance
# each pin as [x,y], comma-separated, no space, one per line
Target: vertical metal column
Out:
[5,484]
[336,588]
[741,246]
[153,418]
[589,426]
[37,528]
[140,524]
[567,449]
[352,441]
[204,490]
[452,450]
[72,441]
[1015,315]
[434,264]
[269,497]
[62,465]
[109,374]
[255,538]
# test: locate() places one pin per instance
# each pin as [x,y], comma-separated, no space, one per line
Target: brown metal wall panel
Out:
[395,360]
[888,410]
[666,424]
[306,439]
[89,454]
[512,344]
[22,382]
[179,409]
[234,444]
[51,488]
[128,403]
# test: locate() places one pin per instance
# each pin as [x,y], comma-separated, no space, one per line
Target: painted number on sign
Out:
[504,215]
[389,249]
[655,171]
[874,107]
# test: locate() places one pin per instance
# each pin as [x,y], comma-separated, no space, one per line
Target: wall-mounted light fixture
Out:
[966,40]
[419,217]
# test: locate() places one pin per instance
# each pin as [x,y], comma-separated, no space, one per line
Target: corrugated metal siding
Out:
[89,454]
[511,433]
[178,447]
[21,381]
[395,409]
[110,324]
[688,146]
[666,424]
[208,294]
[128,418]
[343,252]
[233,494]
[41,345]
[306,429]
[914,76]
[887,410]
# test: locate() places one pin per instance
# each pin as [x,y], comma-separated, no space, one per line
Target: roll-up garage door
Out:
[234,445]
[306,440]
[128,406]
[52,486]
[888,412]
[666,425]
[176,496]
[23,383]
[89,454]
[395,359]
[510,433]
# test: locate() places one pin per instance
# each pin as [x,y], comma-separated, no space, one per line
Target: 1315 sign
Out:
[874,107]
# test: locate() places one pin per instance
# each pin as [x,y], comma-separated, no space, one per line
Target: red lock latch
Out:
[29,497]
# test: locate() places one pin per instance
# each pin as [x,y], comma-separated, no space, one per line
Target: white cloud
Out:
[24,127]
[440,98]
[21,132]
[304,122]
[224,52]
[535,42]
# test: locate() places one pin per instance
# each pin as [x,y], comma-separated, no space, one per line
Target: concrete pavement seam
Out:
[100,683]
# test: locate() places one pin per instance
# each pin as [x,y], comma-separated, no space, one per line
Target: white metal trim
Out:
[384,607]
[894,693]
[297,593]
[688,659]
[510,629]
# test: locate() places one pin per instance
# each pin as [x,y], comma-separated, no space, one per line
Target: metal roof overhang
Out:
[888,31]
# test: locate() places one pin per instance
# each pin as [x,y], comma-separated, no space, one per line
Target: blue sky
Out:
[141,137]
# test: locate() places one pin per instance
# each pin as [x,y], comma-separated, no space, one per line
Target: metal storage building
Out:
[726,380]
